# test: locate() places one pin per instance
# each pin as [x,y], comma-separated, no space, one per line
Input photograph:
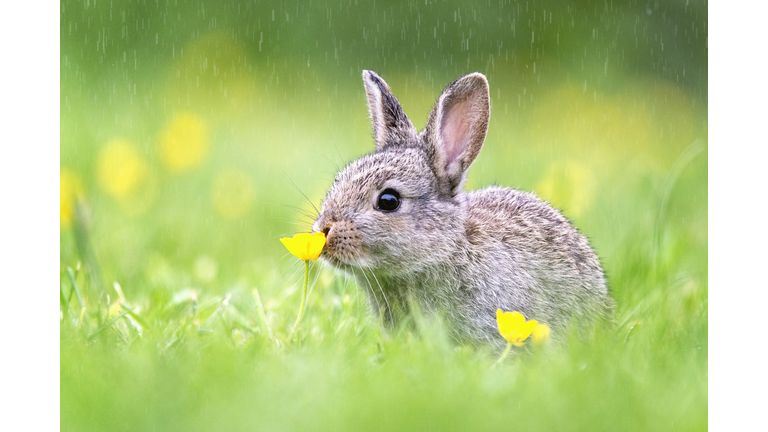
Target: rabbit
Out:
[399,222]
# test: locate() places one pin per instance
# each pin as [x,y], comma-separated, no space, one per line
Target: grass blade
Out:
[74,287]
[262,317]
[107,325]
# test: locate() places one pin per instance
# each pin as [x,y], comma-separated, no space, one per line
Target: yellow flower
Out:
[184,142]
[540,333]
[513,326]
[305,246]
[120,168]
[71,191]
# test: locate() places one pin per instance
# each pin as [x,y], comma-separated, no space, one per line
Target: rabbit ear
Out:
[390,125]
[456,129]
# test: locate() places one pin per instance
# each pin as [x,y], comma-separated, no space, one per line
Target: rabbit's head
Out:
[401,208]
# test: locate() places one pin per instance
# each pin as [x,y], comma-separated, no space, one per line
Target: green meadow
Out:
[194,136]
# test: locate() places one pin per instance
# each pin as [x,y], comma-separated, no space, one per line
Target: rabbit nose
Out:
[324,223]
[327,229]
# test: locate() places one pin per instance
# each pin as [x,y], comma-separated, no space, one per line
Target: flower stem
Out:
[303,300]
[504,354]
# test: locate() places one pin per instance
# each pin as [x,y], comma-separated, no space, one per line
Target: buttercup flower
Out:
[305,246]
[515,329]
[513,326]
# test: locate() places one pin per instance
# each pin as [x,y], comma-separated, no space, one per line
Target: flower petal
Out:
[297,245]
[527,328]
[540,333]
[509,324]
[305,246]
[502,321]
[316,244]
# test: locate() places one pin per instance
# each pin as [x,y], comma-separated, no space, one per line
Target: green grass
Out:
[208,365]
[619,144]
[183,352]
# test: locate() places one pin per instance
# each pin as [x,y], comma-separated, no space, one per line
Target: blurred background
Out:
[191,130]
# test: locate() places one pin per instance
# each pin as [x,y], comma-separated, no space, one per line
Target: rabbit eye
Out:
[389,200]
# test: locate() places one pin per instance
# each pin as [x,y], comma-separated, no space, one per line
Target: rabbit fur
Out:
[462,255]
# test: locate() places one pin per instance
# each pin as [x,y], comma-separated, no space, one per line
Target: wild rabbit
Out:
[399,221]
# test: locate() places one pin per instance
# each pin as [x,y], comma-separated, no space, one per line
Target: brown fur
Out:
[463,255]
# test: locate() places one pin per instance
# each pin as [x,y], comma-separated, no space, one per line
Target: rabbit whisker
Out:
[301,211]
[370,287]
[317,276]
[389,308]
[296,270]
[302,193]
[298,224]
[329,160]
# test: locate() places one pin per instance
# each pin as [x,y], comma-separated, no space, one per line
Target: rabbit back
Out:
[524,255]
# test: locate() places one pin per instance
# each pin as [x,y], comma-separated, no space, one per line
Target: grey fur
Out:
[461,254]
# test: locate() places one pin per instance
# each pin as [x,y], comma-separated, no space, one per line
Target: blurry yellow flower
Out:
[232,193]
[540,333]
[184,142]
[305,246]
[513,326]
[120,168]
[569,186]
[70,191]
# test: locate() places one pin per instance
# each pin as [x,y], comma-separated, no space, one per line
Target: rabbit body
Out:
[399,222]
